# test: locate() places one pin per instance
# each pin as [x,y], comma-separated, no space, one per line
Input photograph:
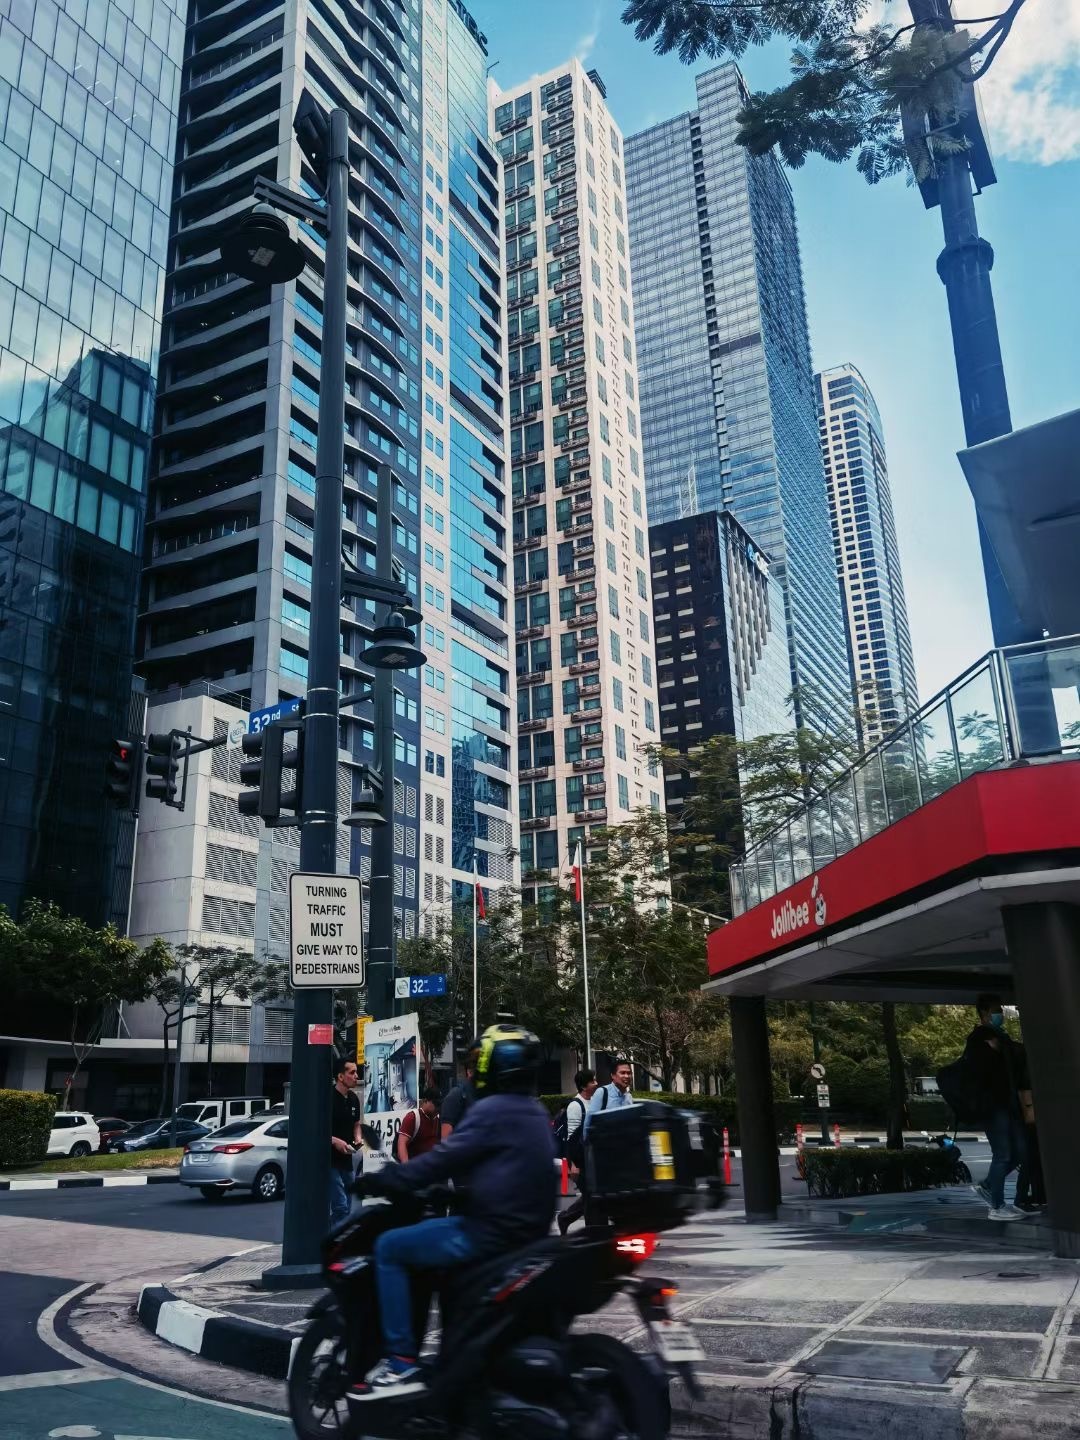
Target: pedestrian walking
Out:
[613,1095]
[344,1137]
[997,1068]
[461,1098]
[419,1131]
[573,1144]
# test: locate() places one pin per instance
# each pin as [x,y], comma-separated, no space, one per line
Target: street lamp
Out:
[394,646]
[260,248]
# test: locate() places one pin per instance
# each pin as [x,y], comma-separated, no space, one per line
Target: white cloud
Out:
[587,43]
[1031,96]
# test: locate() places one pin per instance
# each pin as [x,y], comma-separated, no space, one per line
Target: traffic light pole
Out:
[380,949]
[306,1200]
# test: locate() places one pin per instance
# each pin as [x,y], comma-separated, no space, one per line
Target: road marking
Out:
[41,1378]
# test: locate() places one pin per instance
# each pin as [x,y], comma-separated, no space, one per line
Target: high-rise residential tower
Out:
[727,391]
[867,555]
[587,698]
[88,95]
[227,587]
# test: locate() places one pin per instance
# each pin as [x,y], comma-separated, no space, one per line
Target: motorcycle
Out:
[506,1364]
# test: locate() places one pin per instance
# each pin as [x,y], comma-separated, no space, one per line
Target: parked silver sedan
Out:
[246,1155]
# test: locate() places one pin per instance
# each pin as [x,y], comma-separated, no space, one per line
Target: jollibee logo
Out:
[820,908]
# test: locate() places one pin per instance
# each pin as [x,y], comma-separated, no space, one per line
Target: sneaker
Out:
[983,1194]
[1005,1212]
[396,1375]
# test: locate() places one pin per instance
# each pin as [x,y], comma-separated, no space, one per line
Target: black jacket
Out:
[999,1069]
[504,1152]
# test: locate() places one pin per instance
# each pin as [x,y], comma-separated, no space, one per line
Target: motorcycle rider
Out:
[503,1151]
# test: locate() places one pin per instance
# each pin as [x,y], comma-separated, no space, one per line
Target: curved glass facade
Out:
[88,94]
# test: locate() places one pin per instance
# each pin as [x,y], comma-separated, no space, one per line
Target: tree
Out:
[206,976]
[852,82]
[61,960]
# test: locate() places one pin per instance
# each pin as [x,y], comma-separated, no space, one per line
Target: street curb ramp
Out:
[228,1339]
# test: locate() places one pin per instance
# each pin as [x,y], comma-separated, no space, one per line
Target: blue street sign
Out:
[414,987]
[260,719]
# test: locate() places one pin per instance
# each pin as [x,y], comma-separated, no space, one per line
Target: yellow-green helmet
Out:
[507,1061]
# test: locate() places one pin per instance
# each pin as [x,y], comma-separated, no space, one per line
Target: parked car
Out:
[249,1155]
[224,1110]
[74,1132]
[156,1135]
[109,1127]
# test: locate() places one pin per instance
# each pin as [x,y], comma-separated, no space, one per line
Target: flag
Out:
[481,908]
[576,872]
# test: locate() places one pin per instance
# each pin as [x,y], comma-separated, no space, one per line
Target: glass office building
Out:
[867,553]
[728,411]
[88,94]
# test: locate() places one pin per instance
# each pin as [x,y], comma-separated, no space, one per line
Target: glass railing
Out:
[1017,703]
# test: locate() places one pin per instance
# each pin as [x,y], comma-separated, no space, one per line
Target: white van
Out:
[218,1112]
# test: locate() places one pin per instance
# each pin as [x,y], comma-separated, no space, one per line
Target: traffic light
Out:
[163,756]
[265,773]
[122,774]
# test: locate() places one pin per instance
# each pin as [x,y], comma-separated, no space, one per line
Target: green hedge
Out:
[721,1110]
[833,1174]
[25,1123]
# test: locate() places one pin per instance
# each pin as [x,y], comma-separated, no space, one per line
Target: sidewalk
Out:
[811,1327]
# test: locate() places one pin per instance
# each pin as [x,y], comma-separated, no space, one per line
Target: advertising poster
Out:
[391,1075]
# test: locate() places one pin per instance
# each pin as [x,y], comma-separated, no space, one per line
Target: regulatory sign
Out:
[818,1072]
[260,719]
[326,943]
[823,1097]
[416,987]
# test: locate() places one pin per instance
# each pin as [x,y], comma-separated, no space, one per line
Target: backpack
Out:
[960,1089]
[569,1147]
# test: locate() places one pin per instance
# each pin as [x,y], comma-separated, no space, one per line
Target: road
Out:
[53,1243]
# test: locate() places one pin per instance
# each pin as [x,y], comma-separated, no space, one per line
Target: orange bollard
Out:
[727,1157]
[798,1137]
[836,1136]
[565,1189]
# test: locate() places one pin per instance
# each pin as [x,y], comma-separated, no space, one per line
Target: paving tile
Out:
[1005,1359]
[762,1344]
[1031,1319]
[1070,1366]
[880,1360]
[781,1312]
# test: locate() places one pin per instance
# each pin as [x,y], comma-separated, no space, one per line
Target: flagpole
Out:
[580,876]
[475,992]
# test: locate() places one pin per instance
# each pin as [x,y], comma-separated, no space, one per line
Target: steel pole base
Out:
[291,1277]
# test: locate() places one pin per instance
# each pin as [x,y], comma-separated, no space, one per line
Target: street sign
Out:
[260,719]
[818,1072]
[823,1097]
[362,1022]
[326,944]
[418,987]
[320,1034]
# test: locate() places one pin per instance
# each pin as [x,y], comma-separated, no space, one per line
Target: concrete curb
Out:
[228,1339]
[85,1182]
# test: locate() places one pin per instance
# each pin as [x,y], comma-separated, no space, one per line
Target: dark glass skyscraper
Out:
[88,92]
[728,409]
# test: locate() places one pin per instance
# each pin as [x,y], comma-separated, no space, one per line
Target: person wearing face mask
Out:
[997,1067]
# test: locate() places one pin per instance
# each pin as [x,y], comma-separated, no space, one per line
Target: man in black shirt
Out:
[344,1137]
[460,1098]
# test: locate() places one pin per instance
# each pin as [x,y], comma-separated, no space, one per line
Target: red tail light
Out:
[636,1247]
[236,1149]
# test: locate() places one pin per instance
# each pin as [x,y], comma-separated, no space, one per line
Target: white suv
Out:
[74,1132]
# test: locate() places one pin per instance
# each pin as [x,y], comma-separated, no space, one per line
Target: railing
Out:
[1017,703]
[263,43]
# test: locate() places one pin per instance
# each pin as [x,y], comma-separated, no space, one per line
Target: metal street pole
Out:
[381,933]
[306,1201]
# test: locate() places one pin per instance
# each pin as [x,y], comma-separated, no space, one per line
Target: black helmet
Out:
[507,1060]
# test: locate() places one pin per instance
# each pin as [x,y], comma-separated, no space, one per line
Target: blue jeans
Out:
[340,1199]
[1005,1132]
[431,1245]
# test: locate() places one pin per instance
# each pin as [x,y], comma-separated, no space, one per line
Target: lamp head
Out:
[260,248]
[393,646]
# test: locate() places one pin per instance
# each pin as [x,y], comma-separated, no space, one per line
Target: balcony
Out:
[518,192]
[579,527]
[583,572]
[538,772]
[595,787]
[597,816]
[569,321]
[532,633]
[578,622]
[533,677]
[582,766]
[585,667]
[529,542]
[582,717]
[576,485]
[526,727]
[530,587]
[583,502]
[538,822]
[514,230]
[571,282]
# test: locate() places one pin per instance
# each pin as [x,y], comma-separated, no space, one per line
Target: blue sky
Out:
[873,295]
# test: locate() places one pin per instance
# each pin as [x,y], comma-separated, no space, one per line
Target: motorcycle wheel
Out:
[318,1380]
[632,1404]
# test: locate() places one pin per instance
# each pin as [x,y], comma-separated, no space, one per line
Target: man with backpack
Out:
[613,1095]
[570,1139]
